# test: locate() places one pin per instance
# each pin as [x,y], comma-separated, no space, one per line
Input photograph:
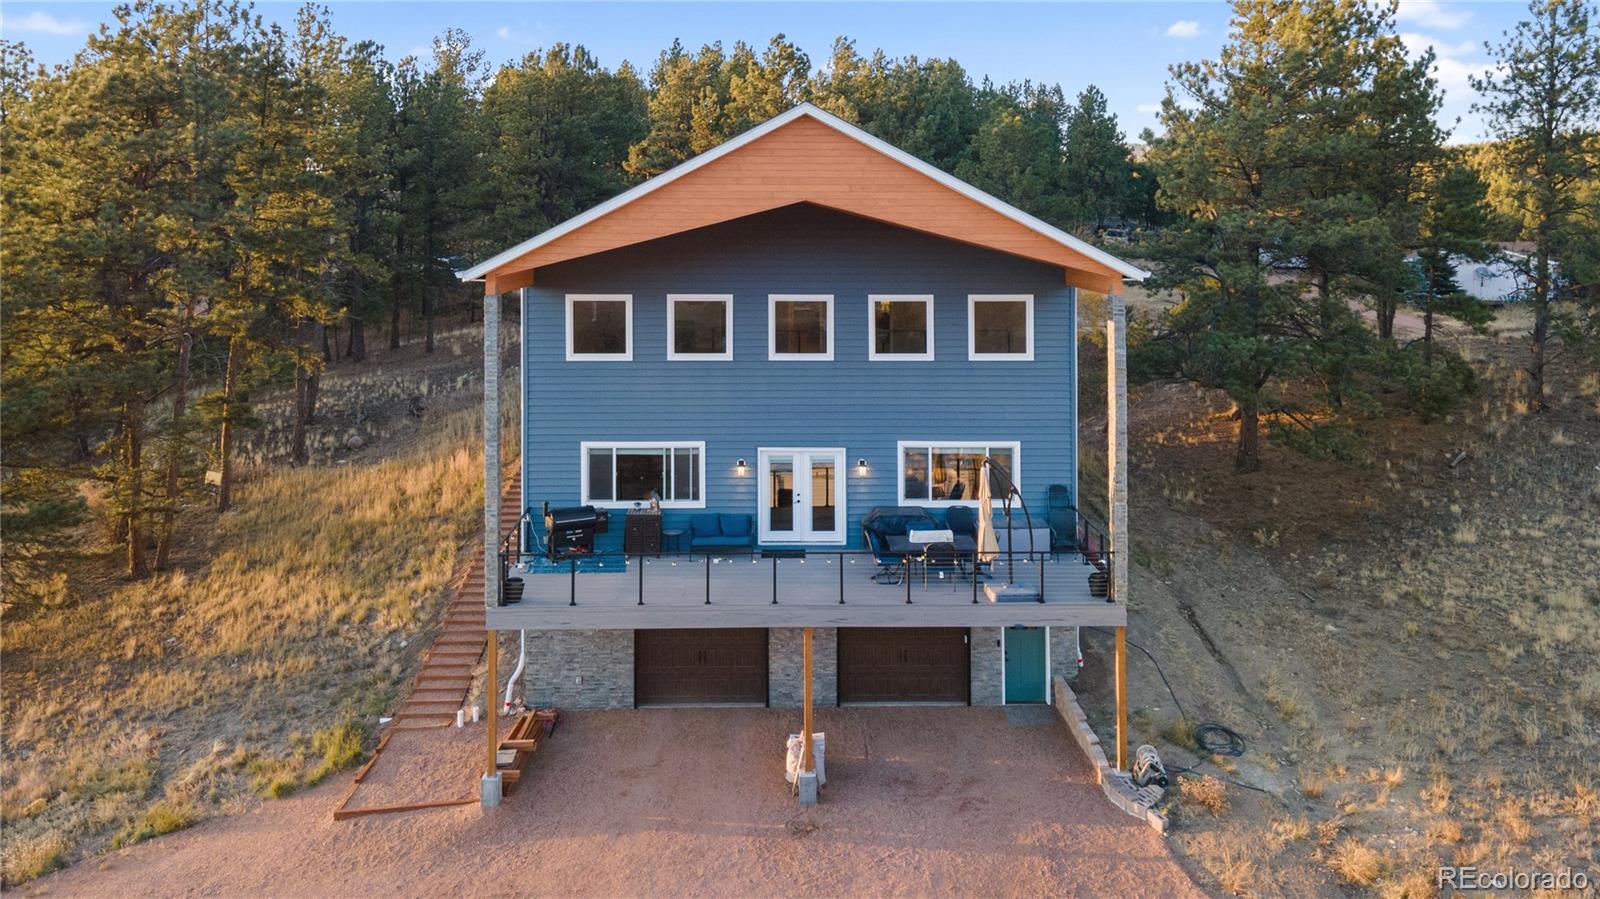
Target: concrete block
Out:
[808,788]
[489,790]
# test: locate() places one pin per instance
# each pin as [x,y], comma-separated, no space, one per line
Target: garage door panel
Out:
[903,665]
[701,666]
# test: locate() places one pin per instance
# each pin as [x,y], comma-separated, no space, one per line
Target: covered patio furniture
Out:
[882,526]
[1061,517]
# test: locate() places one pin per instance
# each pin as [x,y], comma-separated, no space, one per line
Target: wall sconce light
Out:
[861,468]
[741,468]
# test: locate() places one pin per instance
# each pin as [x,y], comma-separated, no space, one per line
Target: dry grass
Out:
[307,608]
[1355,862]
[1207,792]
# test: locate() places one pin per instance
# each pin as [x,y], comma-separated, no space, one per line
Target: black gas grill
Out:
[570,531]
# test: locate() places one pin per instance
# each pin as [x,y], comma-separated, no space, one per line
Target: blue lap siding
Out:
[738,406]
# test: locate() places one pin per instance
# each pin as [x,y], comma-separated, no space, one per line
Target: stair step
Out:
[427,716]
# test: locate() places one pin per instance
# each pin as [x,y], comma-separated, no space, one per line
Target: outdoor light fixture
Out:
[861,468]
[741,468]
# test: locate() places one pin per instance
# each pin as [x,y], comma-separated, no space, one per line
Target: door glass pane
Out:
[780,493]
[639,471]
[600,327]
[600,475]
[900,327]
[916,465]
[700,326]
[824,483]
[1000,326]
[800,326]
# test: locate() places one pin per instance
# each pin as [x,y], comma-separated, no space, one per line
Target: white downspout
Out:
[511,682]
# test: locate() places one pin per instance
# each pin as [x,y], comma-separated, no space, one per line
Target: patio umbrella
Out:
[988,545]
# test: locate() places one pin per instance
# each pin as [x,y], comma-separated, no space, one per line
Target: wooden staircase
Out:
[446,677]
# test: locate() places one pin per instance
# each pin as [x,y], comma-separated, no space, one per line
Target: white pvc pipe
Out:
[522,659]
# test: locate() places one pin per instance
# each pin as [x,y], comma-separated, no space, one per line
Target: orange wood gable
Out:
[805,161]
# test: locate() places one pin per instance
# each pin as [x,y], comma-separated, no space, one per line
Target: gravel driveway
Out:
[919,801]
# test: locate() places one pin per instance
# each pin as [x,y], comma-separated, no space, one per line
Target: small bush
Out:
[1356,862]
[1207,792]
[34,857]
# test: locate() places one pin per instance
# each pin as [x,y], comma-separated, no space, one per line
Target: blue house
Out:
[760,394]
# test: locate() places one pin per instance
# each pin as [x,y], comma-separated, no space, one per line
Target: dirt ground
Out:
[686,802]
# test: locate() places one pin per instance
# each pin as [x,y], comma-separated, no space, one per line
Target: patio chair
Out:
[943,561]
[1059,514]
[891,567]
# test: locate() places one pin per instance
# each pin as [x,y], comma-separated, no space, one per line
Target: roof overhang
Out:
[798,157]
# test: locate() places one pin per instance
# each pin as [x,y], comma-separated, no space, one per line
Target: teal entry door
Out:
[1025,664]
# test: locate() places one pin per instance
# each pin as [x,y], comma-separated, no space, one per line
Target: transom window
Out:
[621,474]
[699,326]
[1000,327]
[900,328]
[599,327]
[948,473]
[800,327]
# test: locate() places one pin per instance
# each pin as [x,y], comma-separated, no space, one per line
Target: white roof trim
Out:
[1131,272]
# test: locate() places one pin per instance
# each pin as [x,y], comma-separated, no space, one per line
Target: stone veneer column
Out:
[784,662]
[987,688]
[579,669]
[1117,437]
[1064,652]
[491,450]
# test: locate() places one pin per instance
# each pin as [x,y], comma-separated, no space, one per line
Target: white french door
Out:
[801,495]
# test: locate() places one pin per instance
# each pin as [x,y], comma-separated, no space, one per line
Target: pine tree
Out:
[1098,177]
[1542,102]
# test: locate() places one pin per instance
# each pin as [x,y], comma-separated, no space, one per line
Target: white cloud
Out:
[1431,14]
[1453,63]
[1183,28]
[1148,108]
[503,32]
[44,23]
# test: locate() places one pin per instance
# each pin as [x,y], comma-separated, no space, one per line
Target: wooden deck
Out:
[754,591]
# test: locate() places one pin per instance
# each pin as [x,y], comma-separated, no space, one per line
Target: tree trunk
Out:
[230,381]
[1541,333]
[394,312]
[1248,457]
[1386,311]
[1427,326]
[133,458]
[356,349]
[301,391]
[427,319]
[180,403]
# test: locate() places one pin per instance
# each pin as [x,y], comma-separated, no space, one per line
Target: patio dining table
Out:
[902,545]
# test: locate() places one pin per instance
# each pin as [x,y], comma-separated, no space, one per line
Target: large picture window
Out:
[621,474]
[948,473]
[901,328]
[599,327]
[699,326]
[800,327]
[1000,327]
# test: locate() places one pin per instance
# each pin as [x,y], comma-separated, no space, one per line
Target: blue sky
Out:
[1125,48]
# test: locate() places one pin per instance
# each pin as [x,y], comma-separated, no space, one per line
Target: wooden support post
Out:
[1122,699]
[806,761]
[490,690]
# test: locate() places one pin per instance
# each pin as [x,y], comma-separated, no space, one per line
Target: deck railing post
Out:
[974,577]
[841,579]
[907,566]
[1042,566]
[774,580]
[641,576]
[572,565]
[708,579]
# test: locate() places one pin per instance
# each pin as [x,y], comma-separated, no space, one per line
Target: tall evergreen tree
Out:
[1542,102]
[1098,178]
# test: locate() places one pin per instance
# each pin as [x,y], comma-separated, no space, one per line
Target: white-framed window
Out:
[900,328]
[699,326]
[800,327]
[934,473]
[1000,327]
[619,474]
[599,327]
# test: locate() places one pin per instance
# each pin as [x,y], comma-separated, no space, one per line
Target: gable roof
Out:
[805,155]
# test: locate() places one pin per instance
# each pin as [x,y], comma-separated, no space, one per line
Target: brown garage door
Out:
[700,667]
[903,664]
